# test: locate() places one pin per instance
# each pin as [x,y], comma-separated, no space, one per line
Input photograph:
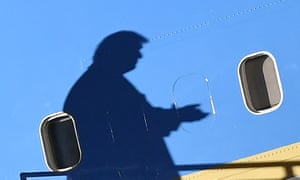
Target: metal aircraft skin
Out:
[154,90]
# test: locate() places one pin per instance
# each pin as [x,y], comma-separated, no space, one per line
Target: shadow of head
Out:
[119,52]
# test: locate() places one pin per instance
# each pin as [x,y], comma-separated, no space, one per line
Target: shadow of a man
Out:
[121,134]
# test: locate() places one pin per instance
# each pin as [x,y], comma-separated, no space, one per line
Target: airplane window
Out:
[260,83]
[60,142]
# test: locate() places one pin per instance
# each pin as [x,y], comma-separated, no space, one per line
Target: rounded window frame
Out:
[246,90]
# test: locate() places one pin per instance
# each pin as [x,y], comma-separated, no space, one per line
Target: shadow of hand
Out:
[191,113]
